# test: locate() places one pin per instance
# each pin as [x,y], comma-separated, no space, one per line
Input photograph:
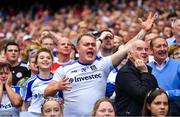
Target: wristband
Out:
[98,39]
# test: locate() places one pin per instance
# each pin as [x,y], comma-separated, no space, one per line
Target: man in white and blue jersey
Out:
[84,81]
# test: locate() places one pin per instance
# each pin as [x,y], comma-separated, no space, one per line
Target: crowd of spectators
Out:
[71,21]
[24,32]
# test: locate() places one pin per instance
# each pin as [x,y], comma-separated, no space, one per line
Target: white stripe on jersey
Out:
[34,92]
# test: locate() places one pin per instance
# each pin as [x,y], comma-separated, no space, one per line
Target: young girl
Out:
[34,90]
[51,107]
[156,104]
[103,107]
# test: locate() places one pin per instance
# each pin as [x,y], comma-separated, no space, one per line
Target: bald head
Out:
[140,49]
[62,39]
[64,46]
[138,43]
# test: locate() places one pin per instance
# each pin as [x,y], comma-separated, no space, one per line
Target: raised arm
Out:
[123,49]
[98,44]
[146,26]
[14,98]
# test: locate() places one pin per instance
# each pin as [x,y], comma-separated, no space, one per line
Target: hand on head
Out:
[3,59]
[9,80]
[133,56]
[105,34]
[138,63]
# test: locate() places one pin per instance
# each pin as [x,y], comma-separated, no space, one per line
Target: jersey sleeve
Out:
[27,92]
[59,73]
[17,89]
[107,64]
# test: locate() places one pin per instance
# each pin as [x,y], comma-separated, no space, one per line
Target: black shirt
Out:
[19,72]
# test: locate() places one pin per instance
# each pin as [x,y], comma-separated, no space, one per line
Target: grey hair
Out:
[174,23]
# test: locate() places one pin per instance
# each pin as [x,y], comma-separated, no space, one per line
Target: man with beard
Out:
[167,73]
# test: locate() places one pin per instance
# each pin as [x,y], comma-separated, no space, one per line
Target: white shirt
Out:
[88,84]
[163,64]
[6,103]
[34,92]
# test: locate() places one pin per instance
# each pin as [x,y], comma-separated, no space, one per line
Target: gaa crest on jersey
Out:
[19,75]
[93,67]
